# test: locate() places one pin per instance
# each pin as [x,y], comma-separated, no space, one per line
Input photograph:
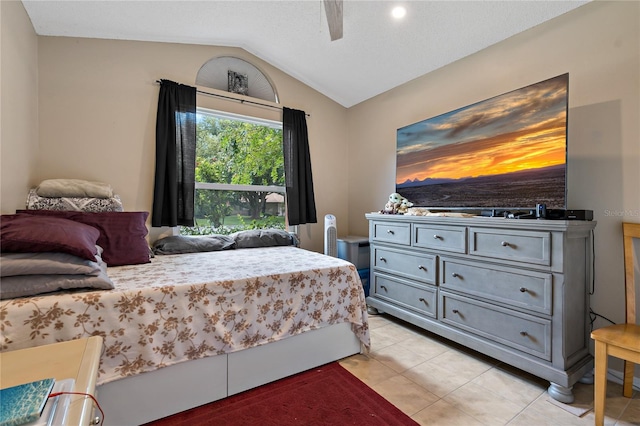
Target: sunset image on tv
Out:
[505,152]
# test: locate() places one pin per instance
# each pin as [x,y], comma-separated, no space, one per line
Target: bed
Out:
[181,330]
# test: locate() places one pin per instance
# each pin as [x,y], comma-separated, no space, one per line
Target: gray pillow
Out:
[46,263]
[178,244]
[264,238]
[50,272]
[32,285]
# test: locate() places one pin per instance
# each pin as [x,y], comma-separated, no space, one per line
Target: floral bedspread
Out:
[189,306]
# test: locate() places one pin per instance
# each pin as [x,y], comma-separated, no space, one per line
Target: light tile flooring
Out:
[437,382]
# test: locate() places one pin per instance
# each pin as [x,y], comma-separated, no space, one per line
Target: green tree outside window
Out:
[237,152]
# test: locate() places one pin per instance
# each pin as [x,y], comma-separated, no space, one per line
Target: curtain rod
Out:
[242,101]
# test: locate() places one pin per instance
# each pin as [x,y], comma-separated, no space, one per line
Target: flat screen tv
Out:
[507,152]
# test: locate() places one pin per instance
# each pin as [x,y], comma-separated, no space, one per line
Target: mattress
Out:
[189,306]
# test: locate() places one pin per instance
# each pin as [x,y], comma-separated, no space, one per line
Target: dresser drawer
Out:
[520,288]
[411,265]
[440,237]
[391,232]
[403,293]
[523,332]
[521,246]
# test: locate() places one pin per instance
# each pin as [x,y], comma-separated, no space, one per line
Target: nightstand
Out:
[76,359]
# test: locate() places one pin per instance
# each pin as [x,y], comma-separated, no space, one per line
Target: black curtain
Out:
[175,155]
[301,204]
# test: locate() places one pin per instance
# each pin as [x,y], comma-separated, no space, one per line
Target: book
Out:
[24,403]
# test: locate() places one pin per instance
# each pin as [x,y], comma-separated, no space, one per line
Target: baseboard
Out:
[614,376]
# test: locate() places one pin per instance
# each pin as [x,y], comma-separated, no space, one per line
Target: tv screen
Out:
[506,152]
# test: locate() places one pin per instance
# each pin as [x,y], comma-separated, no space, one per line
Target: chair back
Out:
[631,231]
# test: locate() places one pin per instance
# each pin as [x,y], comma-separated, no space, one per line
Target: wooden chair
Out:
[620,340]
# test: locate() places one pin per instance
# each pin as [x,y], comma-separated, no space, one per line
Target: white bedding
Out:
[189,306]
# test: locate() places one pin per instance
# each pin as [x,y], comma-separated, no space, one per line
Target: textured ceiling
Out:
[375,54]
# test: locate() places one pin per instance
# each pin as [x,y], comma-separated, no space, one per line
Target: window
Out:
[239,174]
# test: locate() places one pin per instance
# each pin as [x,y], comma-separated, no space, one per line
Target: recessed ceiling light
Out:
[398,12]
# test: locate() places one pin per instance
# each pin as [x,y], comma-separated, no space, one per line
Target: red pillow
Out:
[122,234]
[29,234]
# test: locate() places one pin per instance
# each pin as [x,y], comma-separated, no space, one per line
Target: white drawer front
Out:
[523,332]
[524,289]
[403,293]
[520,246]
[412,265]
[391,232]
[440,237]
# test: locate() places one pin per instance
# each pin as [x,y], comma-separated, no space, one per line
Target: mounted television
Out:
[507,152]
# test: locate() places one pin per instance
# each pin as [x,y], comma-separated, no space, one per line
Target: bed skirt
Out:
[150,396]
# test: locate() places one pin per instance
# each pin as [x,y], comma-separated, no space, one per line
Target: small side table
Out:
[76,359]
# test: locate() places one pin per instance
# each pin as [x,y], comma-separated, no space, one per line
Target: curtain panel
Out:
[301,205]
[173,195]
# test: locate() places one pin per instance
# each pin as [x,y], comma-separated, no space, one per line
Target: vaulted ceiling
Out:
[376,52]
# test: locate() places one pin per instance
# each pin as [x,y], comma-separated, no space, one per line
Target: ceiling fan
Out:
[333,9]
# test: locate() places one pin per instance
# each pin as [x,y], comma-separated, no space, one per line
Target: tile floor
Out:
[437,382]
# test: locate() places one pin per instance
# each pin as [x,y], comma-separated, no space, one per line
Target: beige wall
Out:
[98,101]
[92,103]
[18,105]
[598,45]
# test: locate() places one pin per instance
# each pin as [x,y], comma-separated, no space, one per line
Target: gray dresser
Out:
[516,290]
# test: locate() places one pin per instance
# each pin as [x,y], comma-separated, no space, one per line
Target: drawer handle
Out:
[505,244]
[383,287]
[437,237]
[389,231]
[455,311]
[422,299]
[423,268]
[455,275]
[382,259]
[523,290]
[524,333]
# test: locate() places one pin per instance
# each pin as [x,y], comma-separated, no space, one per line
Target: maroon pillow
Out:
[122,234]
[21,233]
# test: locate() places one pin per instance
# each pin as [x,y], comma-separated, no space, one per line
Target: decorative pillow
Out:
[29,234]
[31,285]
[263,238]
[192,244]
[73,188]
[80,204]
[122,234]
[46,263]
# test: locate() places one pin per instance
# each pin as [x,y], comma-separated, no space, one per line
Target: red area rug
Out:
[327,395]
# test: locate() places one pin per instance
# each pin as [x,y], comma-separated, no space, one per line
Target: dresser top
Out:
[495,222]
